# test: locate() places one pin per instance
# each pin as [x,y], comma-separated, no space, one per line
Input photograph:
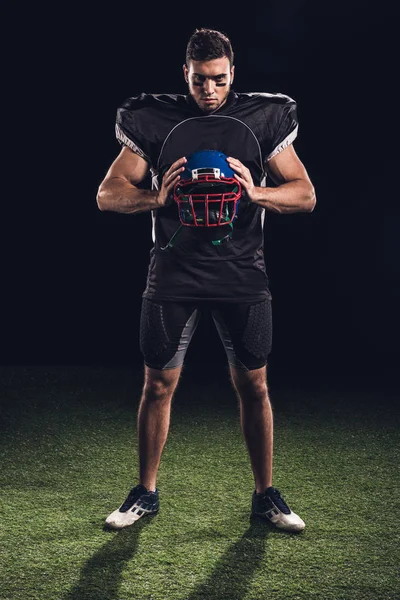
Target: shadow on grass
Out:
[101,575]
[235,570]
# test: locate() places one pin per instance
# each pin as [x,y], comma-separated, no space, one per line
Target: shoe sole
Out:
[112,525]
[266,519]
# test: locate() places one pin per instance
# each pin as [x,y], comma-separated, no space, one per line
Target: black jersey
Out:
[251,127]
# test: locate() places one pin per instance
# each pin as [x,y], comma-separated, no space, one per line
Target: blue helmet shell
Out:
[207,160]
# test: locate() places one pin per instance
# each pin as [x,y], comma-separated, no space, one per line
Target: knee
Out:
[253,392]
[160,385]
[251,388]
[158,390]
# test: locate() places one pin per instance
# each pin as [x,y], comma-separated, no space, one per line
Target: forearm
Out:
[118,195]
[291,197]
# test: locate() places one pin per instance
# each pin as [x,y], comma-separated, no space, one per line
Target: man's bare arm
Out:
[118,191]
[295,192]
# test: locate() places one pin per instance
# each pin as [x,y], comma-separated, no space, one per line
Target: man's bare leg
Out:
[153,424]
[256,421]
[153,421]
[257,426]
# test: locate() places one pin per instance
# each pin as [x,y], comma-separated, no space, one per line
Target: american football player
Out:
[210,153]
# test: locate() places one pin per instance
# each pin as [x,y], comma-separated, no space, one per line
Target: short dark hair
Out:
[208,44]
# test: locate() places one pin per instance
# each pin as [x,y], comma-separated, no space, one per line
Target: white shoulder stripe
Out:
[121,137]
[286,142]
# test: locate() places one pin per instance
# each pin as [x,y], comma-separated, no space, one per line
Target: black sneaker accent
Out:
[267,501]
[133,495]
[275,495]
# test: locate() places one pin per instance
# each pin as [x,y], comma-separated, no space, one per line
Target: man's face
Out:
[209,82]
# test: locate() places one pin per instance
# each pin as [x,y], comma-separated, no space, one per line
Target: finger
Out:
[176,167]
[240,171]
[172,174]
[236,165]
[176,171]
[178,163]
[171,183]
[242,181]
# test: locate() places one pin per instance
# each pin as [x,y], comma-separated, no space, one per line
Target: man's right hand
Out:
[169,180]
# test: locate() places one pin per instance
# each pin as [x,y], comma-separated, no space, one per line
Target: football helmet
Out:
[207,193]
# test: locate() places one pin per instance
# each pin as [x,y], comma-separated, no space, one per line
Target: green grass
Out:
[68,449]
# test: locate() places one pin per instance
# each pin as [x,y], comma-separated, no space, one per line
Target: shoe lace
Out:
[133,495]
[275,495]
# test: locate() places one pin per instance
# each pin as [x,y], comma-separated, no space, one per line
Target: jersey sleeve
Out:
[285,131]
[132,127]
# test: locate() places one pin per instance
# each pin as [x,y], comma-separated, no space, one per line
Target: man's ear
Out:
[232,74]
[185,73]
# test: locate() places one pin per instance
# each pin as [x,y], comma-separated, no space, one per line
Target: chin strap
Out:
[226,237]
[171,242]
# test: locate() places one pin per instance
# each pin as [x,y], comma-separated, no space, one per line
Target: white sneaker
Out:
[139,502]
[272,506]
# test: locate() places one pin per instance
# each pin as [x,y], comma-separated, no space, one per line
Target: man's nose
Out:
[208,86]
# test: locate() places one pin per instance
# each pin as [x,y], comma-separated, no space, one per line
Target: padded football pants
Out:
[166,329]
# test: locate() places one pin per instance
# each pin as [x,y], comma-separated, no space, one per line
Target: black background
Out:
[72,276]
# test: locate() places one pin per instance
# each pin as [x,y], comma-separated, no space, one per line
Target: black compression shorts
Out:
[166,329]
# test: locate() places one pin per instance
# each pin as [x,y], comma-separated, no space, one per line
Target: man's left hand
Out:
[243,175]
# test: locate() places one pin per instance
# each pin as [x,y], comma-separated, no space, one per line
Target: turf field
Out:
[69,458]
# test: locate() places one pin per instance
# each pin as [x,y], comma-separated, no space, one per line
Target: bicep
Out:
[129,166]
[286,166]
